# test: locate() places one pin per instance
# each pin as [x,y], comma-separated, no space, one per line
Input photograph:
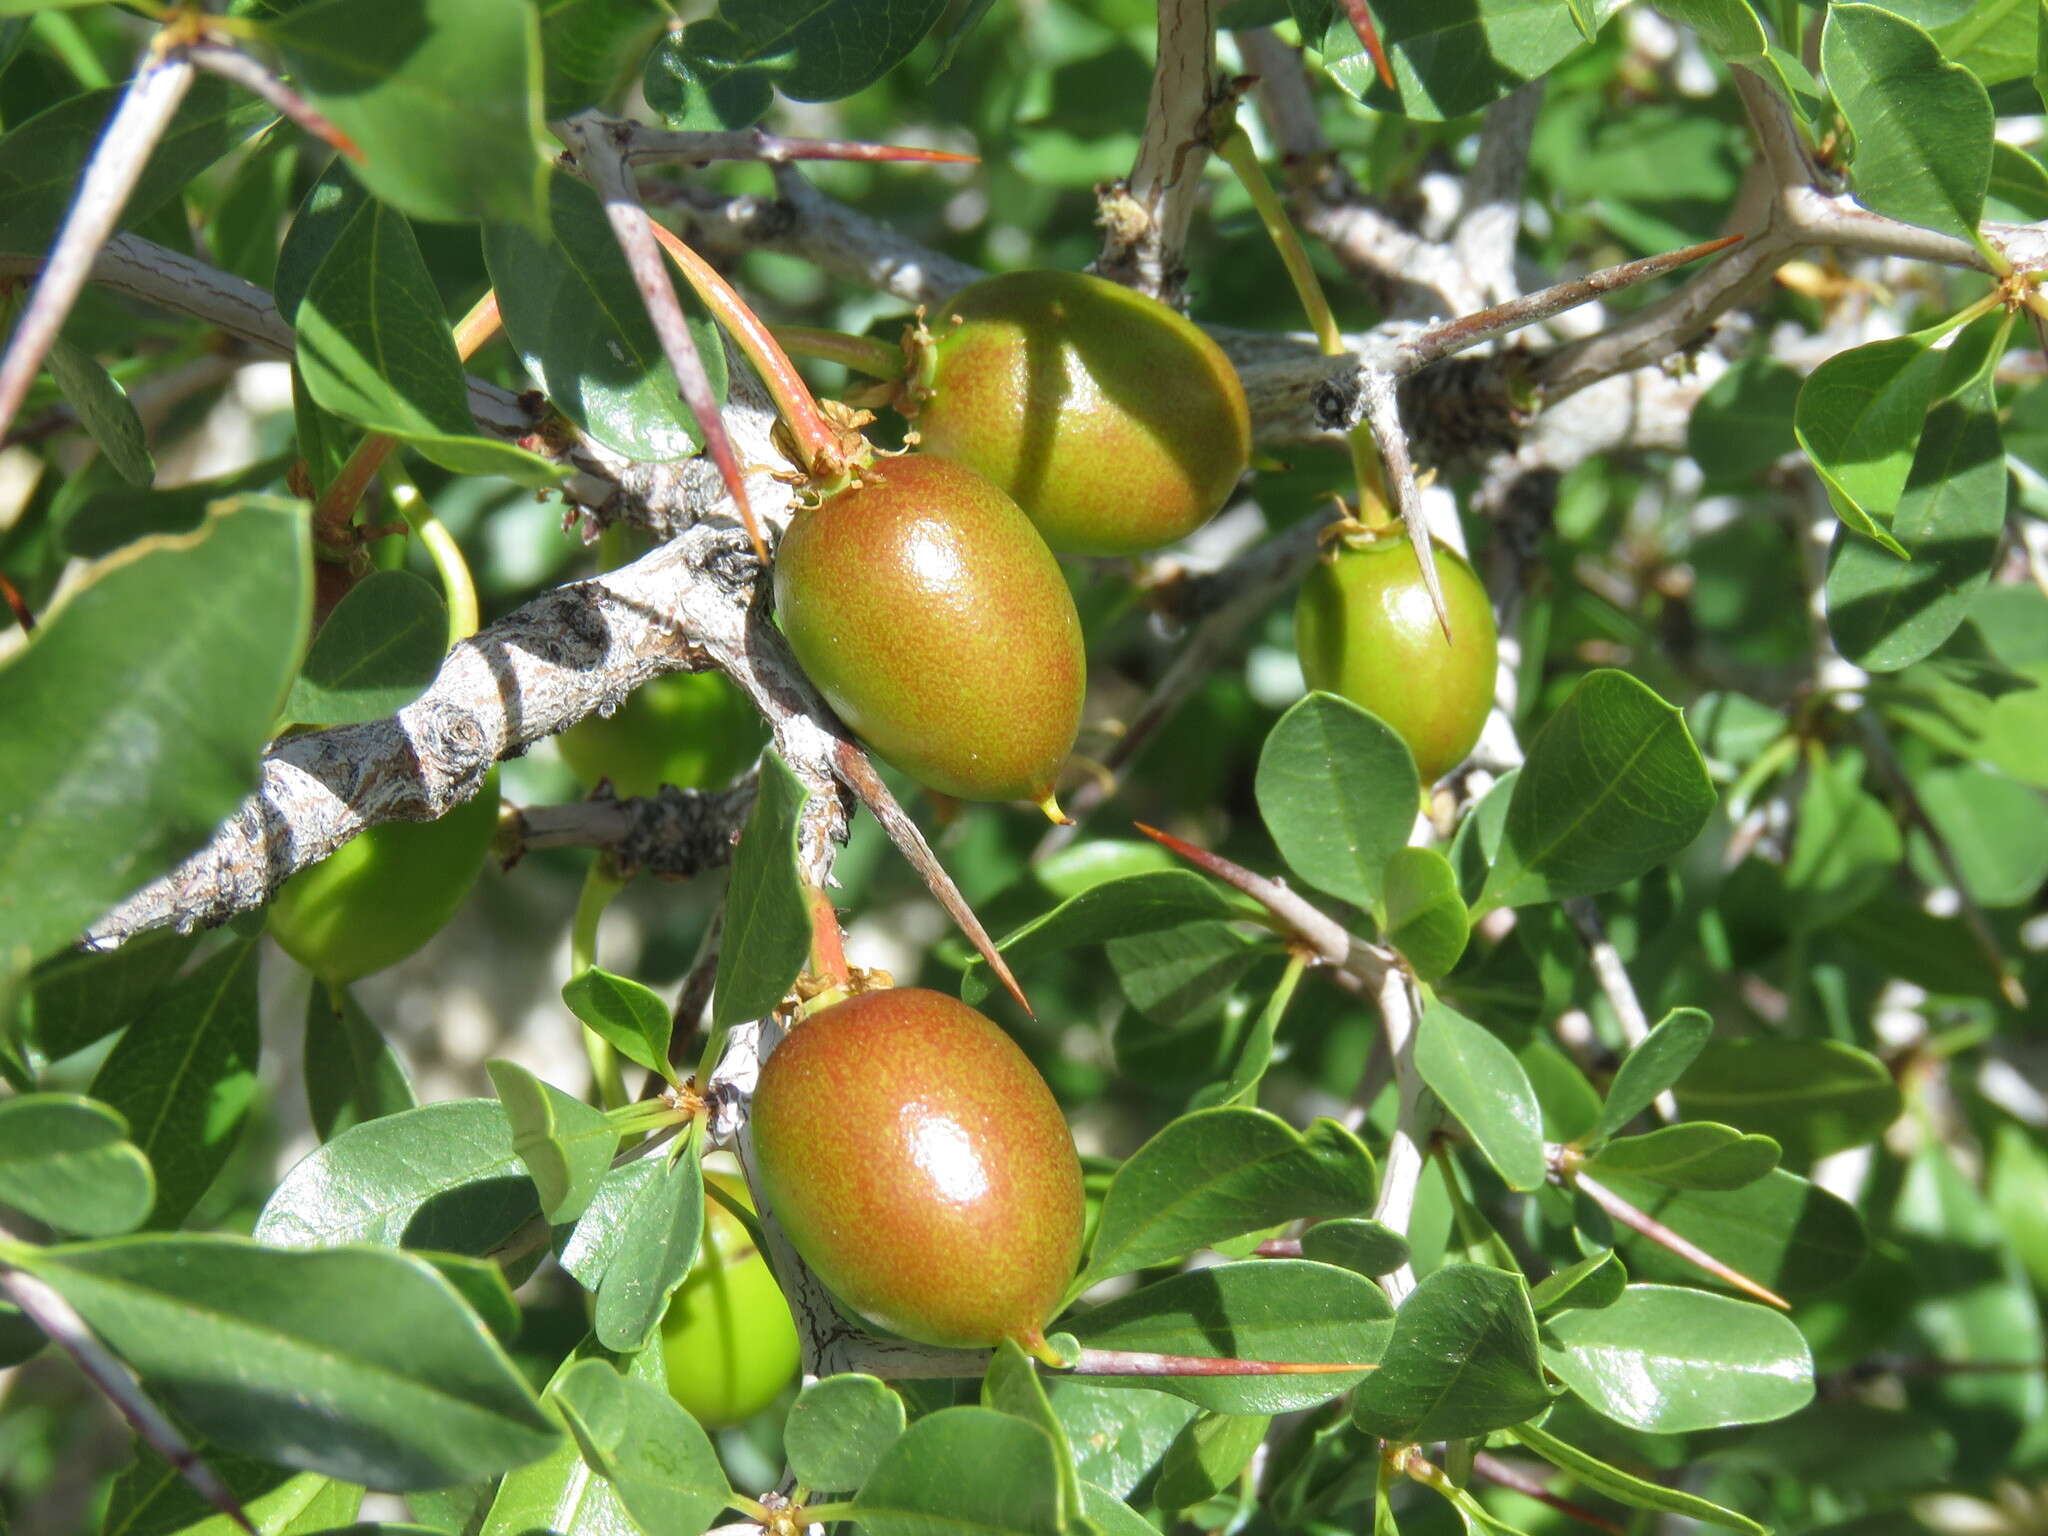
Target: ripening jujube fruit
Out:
[694,730]
[920,1165]
[385,892]
[931,616]
[1112,420]
[728,1342]
[1365,628]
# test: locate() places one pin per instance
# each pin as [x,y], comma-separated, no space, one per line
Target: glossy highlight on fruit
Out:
[920,1165]
[1112,420]
[931,616]
[694,730]
[383,894]
[1365,628]
[728,1341]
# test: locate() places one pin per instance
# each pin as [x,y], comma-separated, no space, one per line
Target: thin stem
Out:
[237,68]
[863,354]
[821,447]
[478,326]
[458,586]
[1134,1362]
[117,160]
[1655,1230]
[642,144]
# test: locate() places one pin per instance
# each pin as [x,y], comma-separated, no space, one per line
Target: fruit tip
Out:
[1050,804]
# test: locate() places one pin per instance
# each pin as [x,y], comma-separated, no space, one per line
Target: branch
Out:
[1415,1119]
[117,160]
[642,145]
[1490,220]
[1145,217]
[1613,979]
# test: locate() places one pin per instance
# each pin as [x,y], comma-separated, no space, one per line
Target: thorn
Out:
[1135,1362]
[1369,39]
[1648,1226]
[1417,524]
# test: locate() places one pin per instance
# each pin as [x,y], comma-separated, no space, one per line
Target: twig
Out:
[237,68]
[1494,1470]
[146,109]
[48,1310]
[674,834]
[1613,979]
[599,154]
[1490,220]
[1414,1120]
[642,145]
[1145,217]
[1648,1226]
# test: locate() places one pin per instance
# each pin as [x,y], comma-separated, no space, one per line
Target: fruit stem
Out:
[828,943]
[863,354]
[1236,151]
[1051,806]
[457,585]
[819,445]
[1137,1362]
[600,885]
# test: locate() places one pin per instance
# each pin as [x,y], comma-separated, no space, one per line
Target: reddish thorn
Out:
[1369,38]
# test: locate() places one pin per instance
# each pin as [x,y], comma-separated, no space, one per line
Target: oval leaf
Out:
[657,1458]
[1338,792]
[1462,1360]
[375,654]
[1426,918]
[840,1429]
[67,1161]
[626,1015]
[767,920]
[1484,1087]
[565,1144]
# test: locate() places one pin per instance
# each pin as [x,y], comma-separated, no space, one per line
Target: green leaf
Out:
[965,1469]
[562,1494]
[1859,418]
[565,1144]
[1922,124]
[1462,1360]
[814,50]
[1669,1360]
[1612,787]
[1696,1155]
[572,309]
[586,1248]
[1134,904]
[77,997]
[1208,1457]
[151,1498]
[1484,1087]
[1449,61]
[1217,1174]
[1812,1096]
[1995,827]
[375,348]
[67,1161]
[329,207]
[42,157]
[1654,1065]
[461,76]
[656,1243]
[333,1361]
[1012,1386]
[185,1077]
[1118,1435]
[442,1176]
[839,1430]
[139,752]
[1995,40]
[1338,792]
[1356,1242]
[1844,849]
[658,1459]
[1426,918]
[1260,1309]
[1639,1493]
[1743,423]
[1884,614]
[1729,27]
[767,915]
[703,94]
[1782,1232]
[352,1074]
[1595,1281]
[103,409]
[626,1015]
[1183,976]
[591,46]
[375,654]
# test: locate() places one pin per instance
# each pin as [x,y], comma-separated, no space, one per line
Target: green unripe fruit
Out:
[932,617]
[918,1162]
[1114,422]
[383,894]
[1365,628]
[728,1340]
[694,730]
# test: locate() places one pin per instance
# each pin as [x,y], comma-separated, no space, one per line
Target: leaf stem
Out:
[863,354]
[457,584]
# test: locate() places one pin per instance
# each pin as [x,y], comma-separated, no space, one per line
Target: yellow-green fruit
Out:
[1365,628]
[728,1341]
[921,1166]
[932,617]
[694,730]
[380,896]
[1112,420]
